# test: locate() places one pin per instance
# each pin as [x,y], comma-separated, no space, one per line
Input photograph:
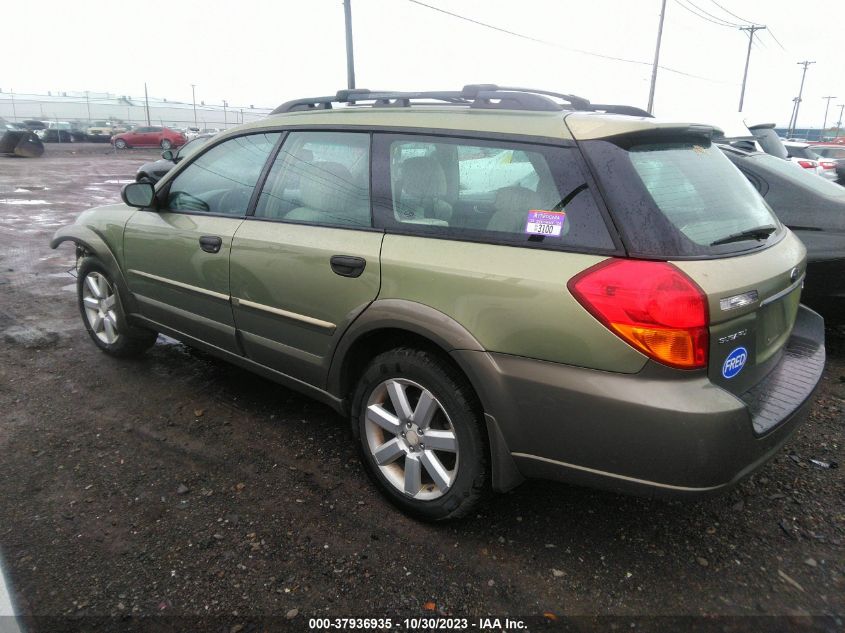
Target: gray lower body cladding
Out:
[659,431]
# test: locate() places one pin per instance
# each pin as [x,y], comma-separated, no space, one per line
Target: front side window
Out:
[319,178]
[491,191]
[222,179]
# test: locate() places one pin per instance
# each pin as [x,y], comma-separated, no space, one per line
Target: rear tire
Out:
[419,429]
[101,309]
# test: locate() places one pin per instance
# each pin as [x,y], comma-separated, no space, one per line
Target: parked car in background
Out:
[192,132]
[836,154]
[768,140]
[806,158]
[32,124]
[153,171]
[102,131]
[62,132]
[813,208]
[149,136]
[505,286]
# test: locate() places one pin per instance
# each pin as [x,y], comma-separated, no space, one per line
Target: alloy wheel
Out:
[411,439]
[99,301]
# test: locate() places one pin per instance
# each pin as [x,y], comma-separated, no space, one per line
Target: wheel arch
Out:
[390,323]
[90,244]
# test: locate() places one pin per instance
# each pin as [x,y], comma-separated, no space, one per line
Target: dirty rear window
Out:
[678,196]
[699,190]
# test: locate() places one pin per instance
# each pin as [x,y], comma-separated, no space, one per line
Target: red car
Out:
[162,137]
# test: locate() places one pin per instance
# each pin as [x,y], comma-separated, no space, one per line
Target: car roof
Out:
[549,124]
[795,144]
[487,108]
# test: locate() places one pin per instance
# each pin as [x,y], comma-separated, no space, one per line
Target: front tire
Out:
[101,309]
[120,144]
[419,429]
[165,144]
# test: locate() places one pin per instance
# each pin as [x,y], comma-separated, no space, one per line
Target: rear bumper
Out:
[655,432]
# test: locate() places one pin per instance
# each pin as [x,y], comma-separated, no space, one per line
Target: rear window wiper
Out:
[757,233]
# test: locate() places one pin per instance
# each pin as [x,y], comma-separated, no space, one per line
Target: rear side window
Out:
[680,198]
[319,178]
[483,190]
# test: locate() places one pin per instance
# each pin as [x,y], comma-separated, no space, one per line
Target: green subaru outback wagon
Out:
[491,283]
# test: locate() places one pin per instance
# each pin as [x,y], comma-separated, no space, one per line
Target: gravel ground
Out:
[177,485]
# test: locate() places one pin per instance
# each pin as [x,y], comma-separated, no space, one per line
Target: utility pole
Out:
[88,104]
[656,59]
[839,122]
[225,122]
[194,100]
[147,104]
[824,125]
[14,110]
[350,60]
[794,123]
[751,30]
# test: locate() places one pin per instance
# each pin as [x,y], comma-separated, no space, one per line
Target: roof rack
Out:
[485,96]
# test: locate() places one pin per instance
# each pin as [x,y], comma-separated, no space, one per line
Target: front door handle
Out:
[211,243]
[348,266]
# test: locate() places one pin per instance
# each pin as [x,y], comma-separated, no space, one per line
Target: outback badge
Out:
[734,362]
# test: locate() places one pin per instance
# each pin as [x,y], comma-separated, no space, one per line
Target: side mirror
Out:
[168,154]
[139,194]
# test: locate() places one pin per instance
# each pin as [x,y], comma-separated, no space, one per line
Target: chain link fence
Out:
[81,109]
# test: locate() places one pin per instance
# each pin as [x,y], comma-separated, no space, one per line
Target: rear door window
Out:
[319,178]
[482,190]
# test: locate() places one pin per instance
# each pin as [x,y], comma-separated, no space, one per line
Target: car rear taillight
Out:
[652,306]
[827,164]
[808,164]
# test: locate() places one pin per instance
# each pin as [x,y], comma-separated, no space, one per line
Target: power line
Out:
[557,45]
[733,14]
[776,39]
[715,17]
[703,17]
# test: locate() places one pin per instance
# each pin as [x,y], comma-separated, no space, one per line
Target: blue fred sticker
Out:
[734,362]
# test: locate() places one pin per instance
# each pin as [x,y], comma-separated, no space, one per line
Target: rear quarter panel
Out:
[512,300]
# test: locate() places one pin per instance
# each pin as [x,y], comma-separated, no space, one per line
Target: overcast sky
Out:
[263,52]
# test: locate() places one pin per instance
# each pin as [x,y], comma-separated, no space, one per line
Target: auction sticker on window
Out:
[545,223]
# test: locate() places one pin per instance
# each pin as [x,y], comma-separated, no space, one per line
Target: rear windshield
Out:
[682,198]
[801,152]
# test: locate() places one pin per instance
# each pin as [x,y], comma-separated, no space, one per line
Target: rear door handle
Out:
[211,243]
[348,266]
